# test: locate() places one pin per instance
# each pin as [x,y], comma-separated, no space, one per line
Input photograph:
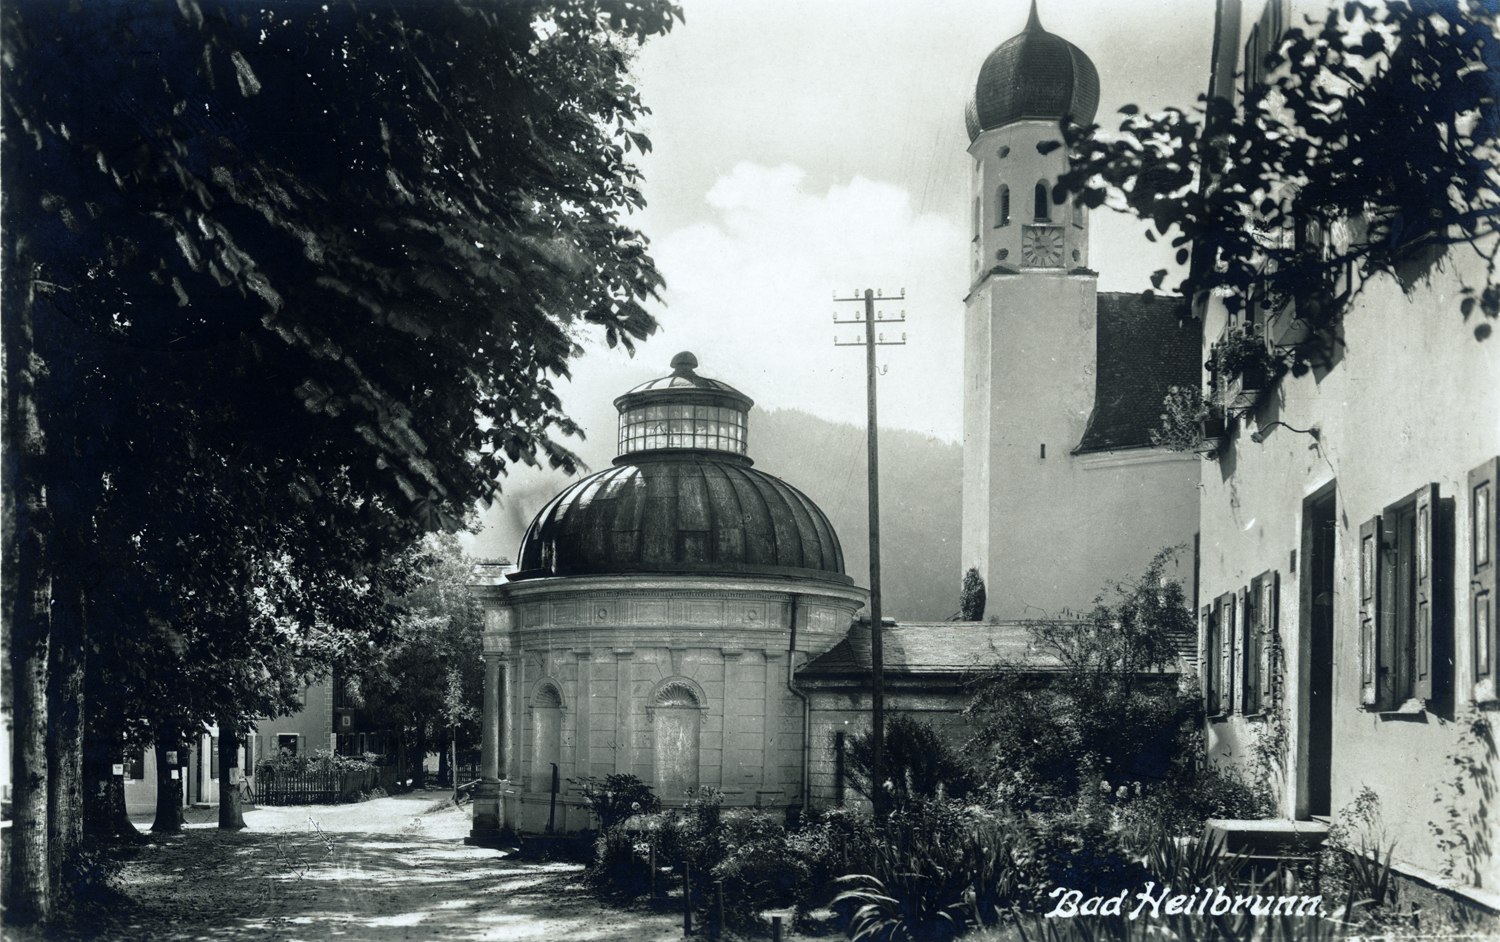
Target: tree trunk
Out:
[445,767]
[231,809]
[65,745]
[28,591]
[28,897]
[453,759]
[168,788]
[104,813]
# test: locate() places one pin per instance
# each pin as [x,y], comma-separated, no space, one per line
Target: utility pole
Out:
[870,341]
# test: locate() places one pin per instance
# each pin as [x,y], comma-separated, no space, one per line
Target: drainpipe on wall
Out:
[791,672]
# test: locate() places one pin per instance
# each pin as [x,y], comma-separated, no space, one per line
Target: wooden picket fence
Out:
[311,787]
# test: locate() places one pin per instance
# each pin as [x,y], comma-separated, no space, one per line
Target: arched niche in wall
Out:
[677,708]
[546,708]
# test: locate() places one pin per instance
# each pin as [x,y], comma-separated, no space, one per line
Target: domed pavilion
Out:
[660,610]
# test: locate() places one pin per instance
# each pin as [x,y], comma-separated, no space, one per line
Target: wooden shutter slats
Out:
[1484,543]
[1370,553]
[1209,662]
[1425,567]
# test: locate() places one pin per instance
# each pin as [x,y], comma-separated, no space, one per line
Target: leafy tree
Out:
[971,598]
[284,288]
[1371,148]
[427,679]
[1104,711]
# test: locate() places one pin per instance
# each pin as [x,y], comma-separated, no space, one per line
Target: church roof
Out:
[1034,74]
[944,647]
[929,649]
[1145,345]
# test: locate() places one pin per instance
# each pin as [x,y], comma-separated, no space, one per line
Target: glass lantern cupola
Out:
[683,412]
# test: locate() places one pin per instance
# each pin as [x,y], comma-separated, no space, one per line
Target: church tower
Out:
[1042,510]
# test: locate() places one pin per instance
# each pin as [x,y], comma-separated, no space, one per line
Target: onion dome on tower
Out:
[682,497]
[1034,74]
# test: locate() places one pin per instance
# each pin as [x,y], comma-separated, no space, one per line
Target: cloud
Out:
[749,290]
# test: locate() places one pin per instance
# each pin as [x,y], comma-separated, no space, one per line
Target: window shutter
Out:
[1208,658]
[1426,566]
[1369,611]
[1225,618]
[1244,650]
[1270,624]
[1484,534]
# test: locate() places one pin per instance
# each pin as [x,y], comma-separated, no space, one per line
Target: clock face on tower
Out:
[1042,246]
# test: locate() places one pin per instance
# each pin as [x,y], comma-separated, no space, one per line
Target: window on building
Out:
[976,217]
[1258,677]
[1002,206]
[213,758]
[1484,540]
[1404,631]
[1043,202]
[1218,655]
[135,765]
[287,743]
[1078,212]
[658,425]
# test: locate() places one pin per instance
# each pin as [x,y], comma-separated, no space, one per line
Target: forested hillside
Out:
[920,487]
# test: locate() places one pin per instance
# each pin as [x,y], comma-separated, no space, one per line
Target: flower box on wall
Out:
[1245,369]
[1212,433]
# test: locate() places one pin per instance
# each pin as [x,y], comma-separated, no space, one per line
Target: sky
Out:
[803,148]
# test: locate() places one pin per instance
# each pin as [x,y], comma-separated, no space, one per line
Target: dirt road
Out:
[380,870]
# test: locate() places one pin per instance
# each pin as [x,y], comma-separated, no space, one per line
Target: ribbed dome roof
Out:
[681,514]
[1034,74]
[681,498]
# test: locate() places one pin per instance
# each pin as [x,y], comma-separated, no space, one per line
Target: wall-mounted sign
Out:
[119,768]
[171,757]
[175,775]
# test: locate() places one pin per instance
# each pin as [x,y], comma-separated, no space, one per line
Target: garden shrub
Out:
[938,869]
[318,761]
[834,842]
[1078,849]
[761,868]
[919,762]
[616,798]
[619,867]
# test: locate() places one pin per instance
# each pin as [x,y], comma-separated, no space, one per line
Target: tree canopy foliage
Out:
[426,679]
[1370,146]
[1108,711]
[286,286]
